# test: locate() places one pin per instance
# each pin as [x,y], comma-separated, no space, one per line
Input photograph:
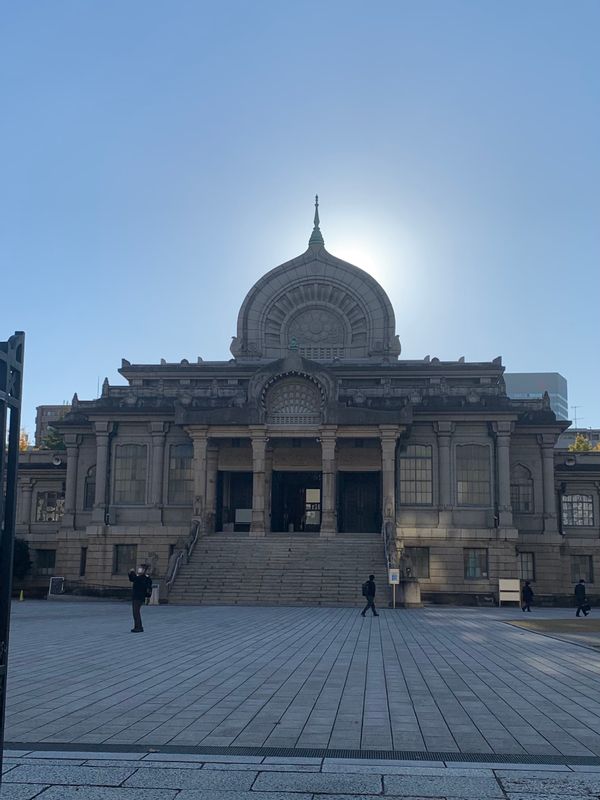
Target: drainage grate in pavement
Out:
[308,752]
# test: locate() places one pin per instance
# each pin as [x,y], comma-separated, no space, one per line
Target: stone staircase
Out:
[282,569]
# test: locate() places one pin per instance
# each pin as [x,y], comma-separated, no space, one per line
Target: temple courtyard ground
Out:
[257,703]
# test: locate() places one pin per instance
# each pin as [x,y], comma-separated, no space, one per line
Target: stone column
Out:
[503,431]
[26,495]
[72,442]
[158,432]
[546,442]
[328,493]
[388,435]
[444,432]
[200,443]
[212,466]
[103,430]
[259,445]
[268,487]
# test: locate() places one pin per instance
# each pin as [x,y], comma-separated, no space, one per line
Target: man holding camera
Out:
[140,591]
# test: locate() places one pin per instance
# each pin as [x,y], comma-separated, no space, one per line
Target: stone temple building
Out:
[311,458]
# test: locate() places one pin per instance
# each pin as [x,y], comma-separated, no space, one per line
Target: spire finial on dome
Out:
[316,237]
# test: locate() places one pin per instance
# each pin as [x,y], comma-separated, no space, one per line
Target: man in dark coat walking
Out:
[369,593]
[527,596]
[580,599]
[140,590]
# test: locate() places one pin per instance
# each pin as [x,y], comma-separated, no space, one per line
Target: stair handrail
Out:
[178,555]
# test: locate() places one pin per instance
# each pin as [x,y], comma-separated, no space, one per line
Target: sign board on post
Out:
[509,590]
[393,580]
[57,586]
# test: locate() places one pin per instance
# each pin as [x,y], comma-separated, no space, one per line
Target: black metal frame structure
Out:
[11,386]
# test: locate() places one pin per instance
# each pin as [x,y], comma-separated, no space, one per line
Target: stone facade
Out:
[316,427]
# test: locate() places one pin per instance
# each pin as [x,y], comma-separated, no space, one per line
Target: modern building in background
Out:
[532,385]
[44,417]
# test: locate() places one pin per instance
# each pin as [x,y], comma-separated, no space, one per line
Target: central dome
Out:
[321,307]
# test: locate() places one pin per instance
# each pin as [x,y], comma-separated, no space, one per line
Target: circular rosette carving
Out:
[293,401]
[316,326]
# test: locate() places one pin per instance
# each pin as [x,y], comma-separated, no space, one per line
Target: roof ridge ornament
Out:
[316,238]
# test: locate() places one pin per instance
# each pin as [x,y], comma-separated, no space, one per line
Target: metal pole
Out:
[11,384]
[393,595]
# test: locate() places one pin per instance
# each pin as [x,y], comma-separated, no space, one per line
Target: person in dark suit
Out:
[580,599]
[527,597]
[140,590]
[369,590]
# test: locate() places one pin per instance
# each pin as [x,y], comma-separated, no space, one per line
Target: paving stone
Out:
[204,757]
[300,782]
[103,793]
[235,795]
[84,755]
[430,786]
[192,779]
[20,791]
[76,776]
[587,785]
[408,770]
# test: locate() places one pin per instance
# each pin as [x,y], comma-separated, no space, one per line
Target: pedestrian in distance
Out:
[141,590]
[368,590]
[580,599]
[527,597]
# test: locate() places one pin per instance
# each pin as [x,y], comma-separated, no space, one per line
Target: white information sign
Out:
[393,576]
[509,590]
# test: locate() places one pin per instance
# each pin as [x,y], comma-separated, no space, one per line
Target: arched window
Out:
[130,474]
[293,400]
[89,490]
[473,475]
[521,490]
[181,479]
[416,486]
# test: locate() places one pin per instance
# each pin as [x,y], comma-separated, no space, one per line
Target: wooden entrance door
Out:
[359,502]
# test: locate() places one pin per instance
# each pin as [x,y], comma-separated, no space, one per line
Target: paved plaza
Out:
[441,680]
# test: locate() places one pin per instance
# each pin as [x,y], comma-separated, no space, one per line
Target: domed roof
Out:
[320,306]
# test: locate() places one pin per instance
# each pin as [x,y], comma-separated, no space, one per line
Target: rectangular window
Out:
[527,566]
[419,559]
[476,563]
[45,561]
[50,506]
[181,478]
[473,475]
[521,498]
[416,482]
[578,510]
[582,567]
[124,558]
[82,561]
[130,474]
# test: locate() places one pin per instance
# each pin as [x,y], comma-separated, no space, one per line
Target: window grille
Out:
[416,481]
[527,566]
[130,474]
[578,510]
[50,506]
[181,478]
[473,475]
[476,563]
[521,490]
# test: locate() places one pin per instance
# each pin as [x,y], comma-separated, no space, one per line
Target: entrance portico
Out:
[326,479]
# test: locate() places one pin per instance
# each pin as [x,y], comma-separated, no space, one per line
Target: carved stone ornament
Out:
[293,400]
[316,327]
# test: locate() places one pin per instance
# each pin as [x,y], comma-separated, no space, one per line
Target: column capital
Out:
[444,428]
[547,440]
[158,429]
[502,429]
[72,440]
[103,427]
[196,432]
[328,432]
[389,431]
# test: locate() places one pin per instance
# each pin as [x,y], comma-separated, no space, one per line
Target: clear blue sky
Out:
[158,157]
